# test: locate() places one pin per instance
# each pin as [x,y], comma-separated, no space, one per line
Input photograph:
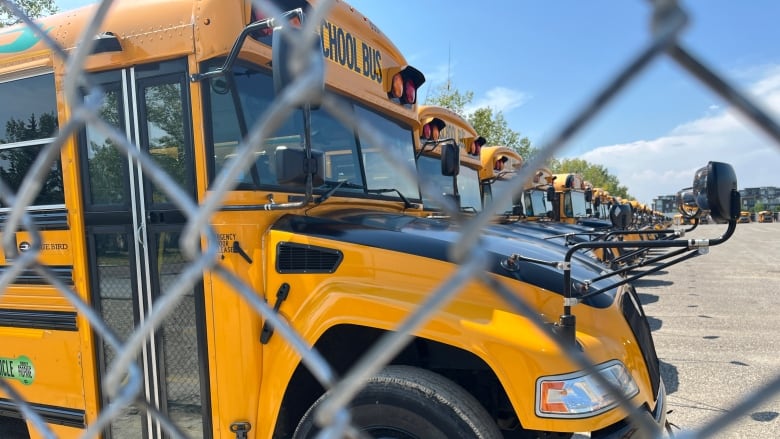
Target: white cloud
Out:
[664,165]
[499,99]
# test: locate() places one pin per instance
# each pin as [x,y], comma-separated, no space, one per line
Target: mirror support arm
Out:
[566,324]
[640,265]
[268,23]
[690,254]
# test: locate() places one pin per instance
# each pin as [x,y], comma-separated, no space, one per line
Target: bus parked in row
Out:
[317,225]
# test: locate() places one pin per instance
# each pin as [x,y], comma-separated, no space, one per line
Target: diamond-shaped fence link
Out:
[182,259]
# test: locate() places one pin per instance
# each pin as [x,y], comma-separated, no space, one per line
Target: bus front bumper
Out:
[625,429]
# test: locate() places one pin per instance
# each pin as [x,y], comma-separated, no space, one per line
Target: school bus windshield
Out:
[535,205]
[241,97]
[498,185]
[468,183]
[574,204]
[468,187]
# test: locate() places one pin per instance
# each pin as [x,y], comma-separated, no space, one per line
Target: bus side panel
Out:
[43,365]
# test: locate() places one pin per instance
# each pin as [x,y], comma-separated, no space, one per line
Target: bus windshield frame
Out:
[497,184]
[575,205]
[535,201]
[234,101]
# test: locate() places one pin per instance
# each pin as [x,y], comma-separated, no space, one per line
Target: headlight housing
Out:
[579,395]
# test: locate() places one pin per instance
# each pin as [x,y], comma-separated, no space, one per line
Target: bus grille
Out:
[31,277]
[635,316]
[299,258]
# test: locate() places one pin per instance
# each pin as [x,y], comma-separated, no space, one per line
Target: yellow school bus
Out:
[601,203]
[570,202]
[765,216]
[314,220]
[744,217]
[498,168]
[441,128]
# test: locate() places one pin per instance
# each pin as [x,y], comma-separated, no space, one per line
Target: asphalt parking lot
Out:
[716,329]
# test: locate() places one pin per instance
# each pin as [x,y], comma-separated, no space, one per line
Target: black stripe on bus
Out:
[54,320]
[56,219]
[52,414]
[31,277]
[431,240]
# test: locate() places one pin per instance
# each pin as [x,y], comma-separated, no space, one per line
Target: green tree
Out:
[495,129]
[597,175]
[758,207]
[453,99]
[33,9]
[490,124]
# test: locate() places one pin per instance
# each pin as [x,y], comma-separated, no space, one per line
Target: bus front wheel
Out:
[404,402]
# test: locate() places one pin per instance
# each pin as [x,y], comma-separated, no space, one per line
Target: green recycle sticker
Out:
[20,368]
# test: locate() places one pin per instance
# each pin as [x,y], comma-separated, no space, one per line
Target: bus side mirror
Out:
[550,194]
[715,189]
[620,215]
[292,166]
[686,204]
[450,160]
[290,61]
[588,195]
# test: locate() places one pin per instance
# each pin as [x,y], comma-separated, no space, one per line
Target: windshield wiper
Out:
[407,203]
[336,186]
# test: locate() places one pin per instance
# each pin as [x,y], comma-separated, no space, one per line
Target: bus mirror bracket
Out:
[227,66]
[714,189]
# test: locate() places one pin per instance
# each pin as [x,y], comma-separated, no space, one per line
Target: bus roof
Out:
[454,127]
[453,120]
[488,156]
[568,181]
[361,60]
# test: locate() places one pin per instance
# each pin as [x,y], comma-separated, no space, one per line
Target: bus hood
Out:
[433,238]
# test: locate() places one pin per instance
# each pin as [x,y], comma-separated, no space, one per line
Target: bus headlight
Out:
[579,395]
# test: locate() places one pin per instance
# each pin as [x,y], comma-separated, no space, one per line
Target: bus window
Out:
[236,101]
[500,184]
[468,188]
[430,168]
[104,161]
[28,121]
[574,204]
[337,142]
[239,98]
[535,203]
[397,141]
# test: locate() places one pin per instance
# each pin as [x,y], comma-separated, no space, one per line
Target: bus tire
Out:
[404,402]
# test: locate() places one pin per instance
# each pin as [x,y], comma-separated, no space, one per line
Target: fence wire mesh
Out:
[124,342]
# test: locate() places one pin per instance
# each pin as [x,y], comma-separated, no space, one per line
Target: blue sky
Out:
[538,61]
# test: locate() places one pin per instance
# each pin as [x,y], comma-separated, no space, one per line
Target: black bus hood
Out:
[434,238]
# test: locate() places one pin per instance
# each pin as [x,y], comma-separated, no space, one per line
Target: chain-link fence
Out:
[123,341]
